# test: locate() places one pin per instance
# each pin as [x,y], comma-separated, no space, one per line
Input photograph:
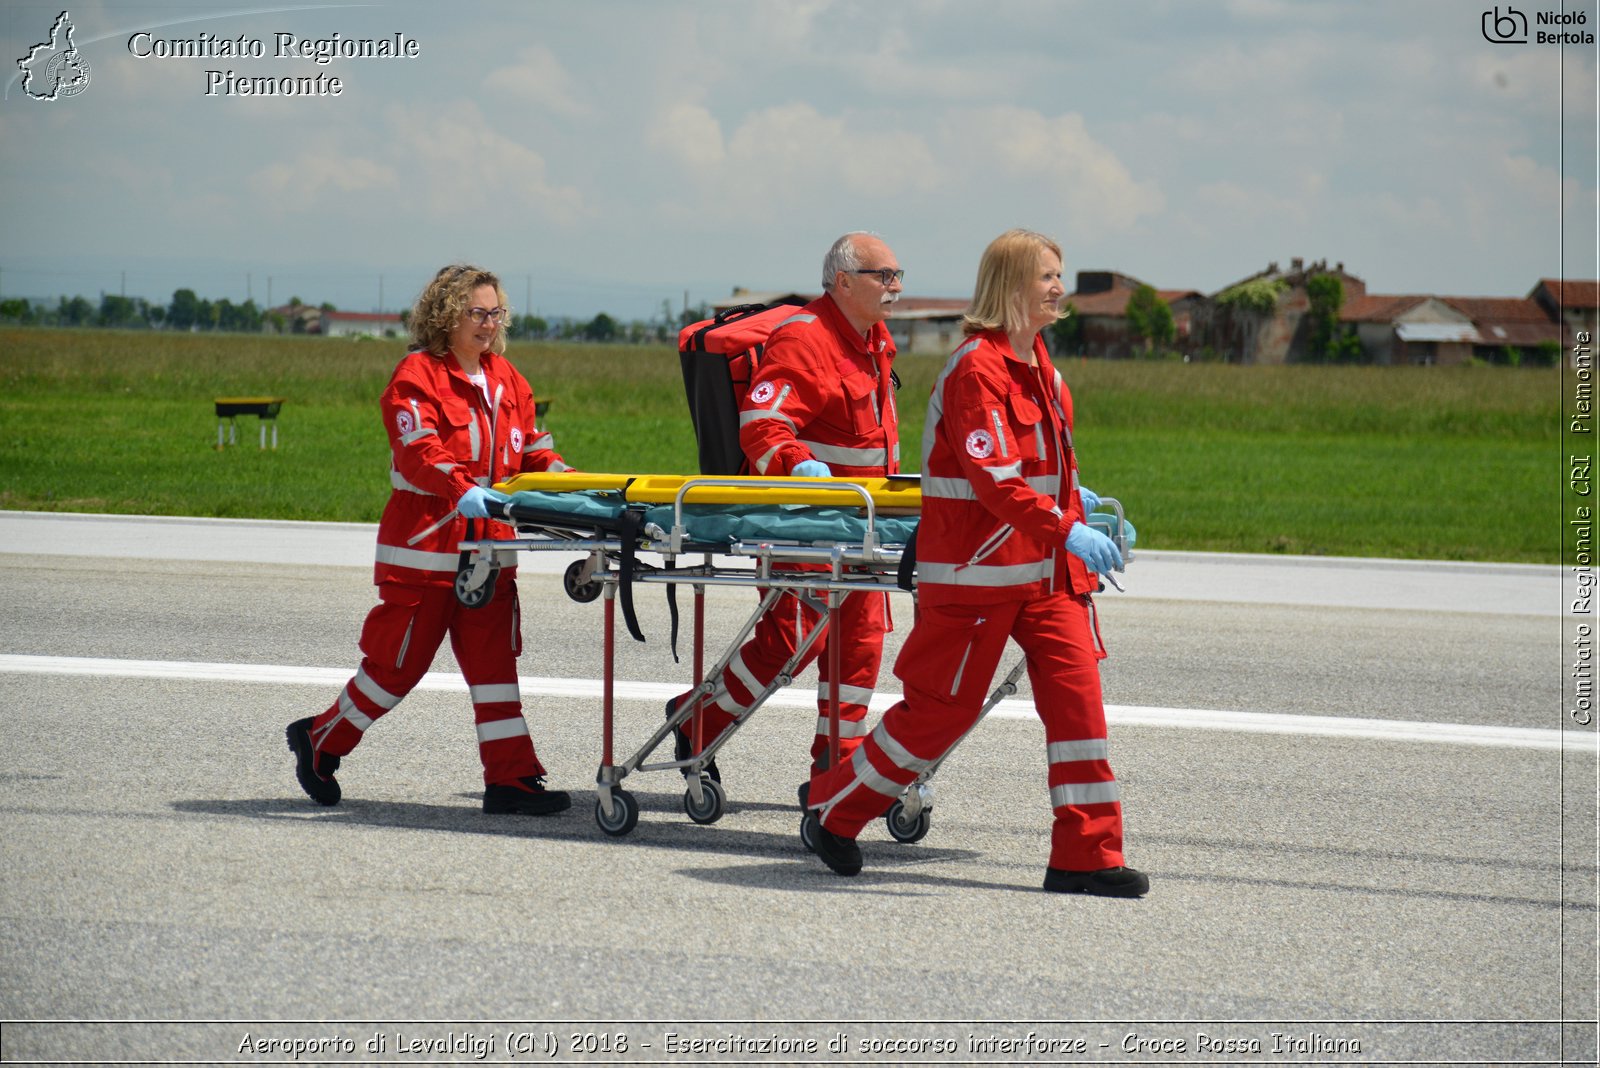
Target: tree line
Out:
[188,311]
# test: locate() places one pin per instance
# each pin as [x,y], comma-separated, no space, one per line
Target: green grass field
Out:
[1441,463]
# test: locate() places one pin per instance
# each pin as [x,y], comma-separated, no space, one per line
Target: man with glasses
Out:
[821,403]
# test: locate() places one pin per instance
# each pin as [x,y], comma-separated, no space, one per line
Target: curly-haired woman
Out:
[459,418]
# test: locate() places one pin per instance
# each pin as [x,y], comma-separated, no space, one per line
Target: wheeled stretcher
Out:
[718,531]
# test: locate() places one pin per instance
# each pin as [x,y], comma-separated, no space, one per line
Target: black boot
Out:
[1107,882]
[313,769]
[681,749]
[525,797]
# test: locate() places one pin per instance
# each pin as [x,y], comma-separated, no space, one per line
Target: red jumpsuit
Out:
[999,495]
[446,436]
[821,392]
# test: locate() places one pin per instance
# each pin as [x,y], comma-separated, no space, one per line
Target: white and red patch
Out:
[516,439]
[404,421]
[763,393]
[980,445]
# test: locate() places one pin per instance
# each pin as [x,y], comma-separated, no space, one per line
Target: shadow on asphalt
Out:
[666,828]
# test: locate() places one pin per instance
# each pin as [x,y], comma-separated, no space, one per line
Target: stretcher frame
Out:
[610,564]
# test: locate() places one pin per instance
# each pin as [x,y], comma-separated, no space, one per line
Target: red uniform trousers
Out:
[862,619]
[947,665]
[398,642]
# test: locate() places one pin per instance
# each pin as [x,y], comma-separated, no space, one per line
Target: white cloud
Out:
[538,78]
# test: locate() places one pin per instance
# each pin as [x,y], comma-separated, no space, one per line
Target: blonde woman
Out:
[1002,552]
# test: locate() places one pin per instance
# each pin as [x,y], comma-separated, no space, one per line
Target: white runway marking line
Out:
[805,697]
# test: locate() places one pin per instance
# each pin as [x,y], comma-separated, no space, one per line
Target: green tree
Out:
[16,310]
[1065,335]
[601,328]
[1150,318]
[184,309]
[116,310]
[75,312]
[1325,293]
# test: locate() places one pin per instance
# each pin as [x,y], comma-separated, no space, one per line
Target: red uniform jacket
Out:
[999,481]
[447,437]
[822,392]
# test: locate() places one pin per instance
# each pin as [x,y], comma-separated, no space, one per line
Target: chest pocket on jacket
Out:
[461,425]
[1030,424]
[860,400]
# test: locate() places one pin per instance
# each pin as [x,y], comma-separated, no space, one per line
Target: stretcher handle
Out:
[869,541]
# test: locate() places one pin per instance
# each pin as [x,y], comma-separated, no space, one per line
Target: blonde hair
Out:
[1007,266]
[444,300]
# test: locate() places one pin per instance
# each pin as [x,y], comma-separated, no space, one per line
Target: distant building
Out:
[362,324]
[1101,301]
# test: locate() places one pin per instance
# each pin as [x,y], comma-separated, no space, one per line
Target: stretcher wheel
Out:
[808,825]
[713,798]
[624,814]
[904,828]
[479,597]
[579,590]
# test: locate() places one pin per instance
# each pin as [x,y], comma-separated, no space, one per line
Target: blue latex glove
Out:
[1094,549]
[811,469]
[474,504]
[1090,499]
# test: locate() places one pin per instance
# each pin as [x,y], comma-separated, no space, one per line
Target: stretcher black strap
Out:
[906,576]
[672,613]
[630,522]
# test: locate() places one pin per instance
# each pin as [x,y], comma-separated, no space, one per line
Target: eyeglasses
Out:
[887,276]
[492,316]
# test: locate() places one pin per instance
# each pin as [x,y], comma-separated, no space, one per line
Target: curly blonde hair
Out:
[1008,264]
[444,301]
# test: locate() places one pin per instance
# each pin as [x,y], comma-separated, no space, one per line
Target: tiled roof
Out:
[1571,293]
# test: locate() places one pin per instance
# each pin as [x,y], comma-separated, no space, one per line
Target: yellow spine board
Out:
[889,495]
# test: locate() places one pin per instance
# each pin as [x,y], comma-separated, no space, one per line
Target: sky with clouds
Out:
[617,154]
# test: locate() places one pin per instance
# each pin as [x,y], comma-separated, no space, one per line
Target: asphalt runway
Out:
[1369,838]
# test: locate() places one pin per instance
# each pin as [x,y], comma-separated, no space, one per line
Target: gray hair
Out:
[843,256]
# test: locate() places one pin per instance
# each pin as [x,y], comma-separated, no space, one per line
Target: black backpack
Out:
[719,357]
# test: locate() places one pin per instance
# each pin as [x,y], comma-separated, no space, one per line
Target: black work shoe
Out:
[681,746]
[525,797]
[840,854]
[1107,882]
[313,769]
[804,794]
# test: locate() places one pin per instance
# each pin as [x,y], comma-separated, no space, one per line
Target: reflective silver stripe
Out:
[398,481]
[447,467]
[729,705]
[417,559]
[959,489]
[765,459]
[1038,436]
[871,777]
[964,349]
[407,439]
[475,436]
[495,693]
[374,693]
[983,574]
[848,728]
[744,675]
[543,441]
[999,432]
[899,754]
[757,414]
[498,730]
[1084,749]
[801,317]
[352,714]
[999,474]
[950,489]
[557,465]
[838,454]
[848,695]
[1084,793]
